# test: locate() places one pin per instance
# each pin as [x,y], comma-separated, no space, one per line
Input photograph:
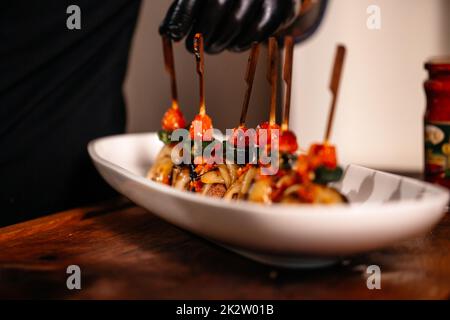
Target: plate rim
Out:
[439,193]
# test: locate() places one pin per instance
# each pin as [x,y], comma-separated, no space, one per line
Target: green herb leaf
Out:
[165,136]
[324,175]
[287,161]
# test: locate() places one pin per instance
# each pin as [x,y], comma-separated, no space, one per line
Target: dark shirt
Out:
[59,89]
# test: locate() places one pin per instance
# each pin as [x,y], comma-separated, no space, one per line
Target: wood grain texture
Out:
[126,252]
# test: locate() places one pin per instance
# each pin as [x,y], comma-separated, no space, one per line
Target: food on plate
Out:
[291,177]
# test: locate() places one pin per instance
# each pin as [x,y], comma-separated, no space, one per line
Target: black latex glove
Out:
[228,24]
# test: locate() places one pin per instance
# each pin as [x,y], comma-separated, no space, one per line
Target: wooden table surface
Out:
[126,252]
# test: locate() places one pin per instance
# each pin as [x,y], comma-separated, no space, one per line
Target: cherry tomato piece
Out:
[200,128]
[288,142]
[238,138]
[322,155]
[173,119]
[271,132]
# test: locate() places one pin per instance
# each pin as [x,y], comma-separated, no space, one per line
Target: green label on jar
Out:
[437,148]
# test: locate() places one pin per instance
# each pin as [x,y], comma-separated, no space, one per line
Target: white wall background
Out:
[380,109]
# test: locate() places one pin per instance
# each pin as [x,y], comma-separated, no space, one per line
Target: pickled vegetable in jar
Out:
[437,122]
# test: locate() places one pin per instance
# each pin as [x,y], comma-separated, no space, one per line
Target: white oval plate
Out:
[383,209]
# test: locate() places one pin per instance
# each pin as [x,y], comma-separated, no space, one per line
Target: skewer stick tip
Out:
[287,77]
[334,87]
[249,78]
[169,63]
[272,77]
[199,56]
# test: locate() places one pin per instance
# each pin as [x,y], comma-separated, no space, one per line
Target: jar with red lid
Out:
[437,122]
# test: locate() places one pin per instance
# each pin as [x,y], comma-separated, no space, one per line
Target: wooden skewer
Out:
[199,56]
[287,77]
[272,77]
[334,87]
[249,77]
[169,62]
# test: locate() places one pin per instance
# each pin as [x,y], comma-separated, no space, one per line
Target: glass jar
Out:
[437,122]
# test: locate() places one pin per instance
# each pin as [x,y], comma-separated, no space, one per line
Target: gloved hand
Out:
[228,24]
